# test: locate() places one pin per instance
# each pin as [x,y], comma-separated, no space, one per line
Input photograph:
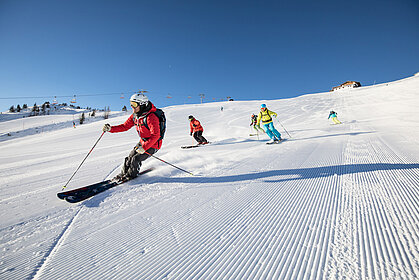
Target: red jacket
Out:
[195,125]
[150,138]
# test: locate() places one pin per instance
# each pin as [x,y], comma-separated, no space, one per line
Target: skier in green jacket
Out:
[254,120]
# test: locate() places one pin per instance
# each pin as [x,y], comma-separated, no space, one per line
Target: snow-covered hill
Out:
[16,125]
[333,201]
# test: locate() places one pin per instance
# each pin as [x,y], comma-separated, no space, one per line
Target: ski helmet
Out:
[263,106]
[190,117]
[140,100]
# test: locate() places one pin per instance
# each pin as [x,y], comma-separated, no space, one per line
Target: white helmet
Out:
[139,98]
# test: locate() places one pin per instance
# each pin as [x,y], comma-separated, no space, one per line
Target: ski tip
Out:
[72,199]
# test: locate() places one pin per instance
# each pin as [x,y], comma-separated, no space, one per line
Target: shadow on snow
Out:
[273,176]
[294,174]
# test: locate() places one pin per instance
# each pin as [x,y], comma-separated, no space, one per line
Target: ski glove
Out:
[191,133]
[106,127]
[140,150]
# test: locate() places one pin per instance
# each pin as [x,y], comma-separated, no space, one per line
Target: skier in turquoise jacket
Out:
[334,117]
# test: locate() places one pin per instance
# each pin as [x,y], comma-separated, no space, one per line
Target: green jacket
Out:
[265,116]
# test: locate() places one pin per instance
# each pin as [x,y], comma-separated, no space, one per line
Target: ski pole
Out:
[284,128]
[83,161]
[169,164]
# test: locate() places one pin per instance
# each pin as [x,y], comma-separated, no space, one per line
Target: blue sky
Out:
[248,50]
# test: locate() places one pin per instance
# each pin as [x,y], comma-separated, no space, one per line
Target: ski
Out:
[277,142]
[189,147]
[83,193]
[194,146]
[88,191]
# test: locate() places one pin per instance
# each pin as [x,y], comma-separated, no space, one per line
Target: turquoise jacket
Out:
[333,115]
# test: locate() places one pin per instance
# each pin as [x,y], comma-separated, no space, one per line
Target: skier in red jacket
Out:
[197,130]
[150,140]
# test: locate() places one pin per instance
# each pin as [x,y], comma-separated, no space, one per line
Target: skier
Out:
[197,130]
[253,122]
[148,127]
[334,117]
[268,126]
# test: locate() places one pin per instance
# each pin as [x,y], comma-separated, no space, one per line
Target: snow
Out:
[333,201]
[14,125]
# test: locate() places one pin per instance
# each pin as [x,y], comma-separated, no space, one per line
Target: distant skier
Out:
[74,124]
[253,122]
[147,124]
[197,130]
[334,117]
[265,116]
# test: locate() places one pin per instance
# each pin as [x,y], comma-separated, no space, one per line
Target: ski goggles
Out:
[136,104]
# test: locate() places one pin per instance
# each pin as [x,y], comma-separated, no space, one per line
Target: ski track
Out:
[23,261]
[378,239]
[55,246]
[320,227]
[347,214]
[59,240]
[236,232]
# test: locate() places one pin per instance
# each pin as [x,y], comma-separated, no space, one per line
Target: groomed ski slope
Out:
[332,202]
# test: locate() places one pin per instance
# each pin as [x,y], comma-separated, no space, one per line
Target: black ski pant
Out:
[198,137]
[133,161]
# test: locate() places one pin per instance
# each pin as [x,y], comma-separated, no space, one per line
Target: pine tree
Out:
[82,118]
[35,109]
[107,112]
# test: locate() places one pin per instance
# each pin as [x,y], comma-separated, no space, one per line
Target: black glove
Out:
[191,134]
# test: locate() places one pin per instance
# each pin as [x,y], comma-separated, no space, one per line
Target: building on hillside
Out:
[348,84]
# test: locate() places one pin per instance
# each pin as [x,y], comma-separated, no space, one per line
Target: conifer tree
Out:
[82,118]
[107,112]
